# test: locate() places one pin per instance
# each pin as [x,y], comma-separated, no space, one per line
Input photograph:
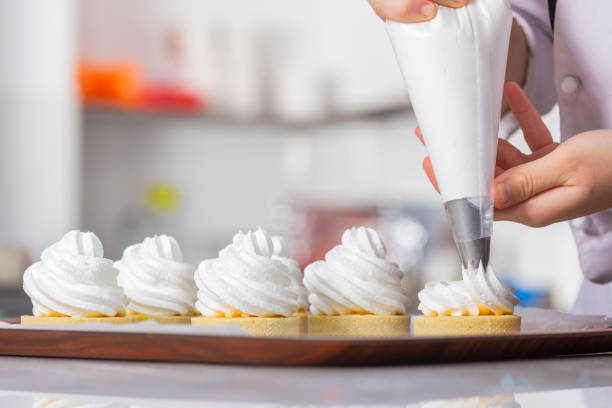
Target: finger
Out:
[555,205]
[542,152]
[498,171]
[451,3]
[522,182]
[509,156]
[418,133]
[404,11]
[430,173]
[535,131]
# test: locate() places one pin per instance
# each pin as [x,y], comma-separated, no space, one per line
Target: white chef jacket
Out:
[572,65]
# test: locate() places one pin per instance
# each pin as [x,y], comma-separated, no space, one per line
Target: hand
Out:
[411,11]
[556,182]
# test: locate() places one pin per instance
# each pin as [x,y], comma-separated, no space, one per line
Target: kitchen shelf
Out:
[107,112]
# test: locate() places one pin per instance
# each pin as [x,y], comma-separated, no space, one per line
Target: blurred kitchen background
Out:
[198,118]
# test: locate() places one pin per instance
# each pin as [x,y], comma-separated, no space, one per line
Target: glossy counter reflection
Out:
[578,398]
[575,379]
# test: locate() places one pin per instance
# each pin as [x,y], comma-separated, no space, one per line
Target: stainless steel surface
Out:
[319,386]
[472,253]
[471,221]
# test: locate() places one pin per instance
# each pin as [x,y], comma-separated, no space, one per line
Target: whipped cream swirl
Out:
[479,293]
[246,280]
[356,278]
[155,278]
[74,279]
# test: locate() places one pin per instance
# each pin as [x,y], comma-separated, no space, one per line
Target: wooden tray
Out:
[298,351]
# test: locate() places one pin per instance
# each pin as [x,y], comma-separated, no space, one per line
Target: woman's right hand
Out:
[411,11]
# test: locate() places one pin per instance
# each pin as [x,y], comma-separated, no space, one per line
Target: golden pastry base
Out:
[465,325]
[257,326]
[163,319]
[303,321]
[77,320]
[359,325]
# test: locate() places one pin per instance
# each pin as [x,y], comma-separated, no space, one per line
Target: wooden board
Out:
[298,351]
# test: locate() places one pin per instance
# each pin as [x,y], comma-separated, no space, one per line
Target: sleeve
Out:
[593,235]
[532,16]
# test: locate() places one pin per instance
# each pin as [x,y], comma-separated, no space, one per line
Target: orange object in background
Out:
[124,85]
[116,84]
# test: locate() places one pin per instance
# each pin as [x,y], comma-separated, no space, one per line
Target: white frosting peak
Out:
[81,243]
[155,278]
[355,278]
[256,242]
[163,246]
[73,279]
[364,240]
[492,295]
[279,246]
[479,293]
[247,279]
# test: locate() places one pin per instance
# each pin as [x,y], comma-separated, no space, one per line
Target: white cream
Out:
[447,299]
[356,278]
[74,279]
[246,280]
[454,68]
[479,293]
[155,278]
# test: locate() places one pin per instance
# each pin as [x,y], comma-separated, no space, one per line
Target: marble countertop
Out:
[579,380]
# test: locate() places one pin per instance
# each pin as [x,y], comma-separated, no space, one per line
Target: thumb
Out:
[522,182]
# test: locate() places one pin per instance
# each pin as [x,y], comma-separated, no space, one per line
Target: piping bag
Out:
[454,68]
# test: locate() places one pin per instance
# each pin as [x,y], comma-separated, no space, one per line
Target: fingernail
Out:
[503,194]
[428,9]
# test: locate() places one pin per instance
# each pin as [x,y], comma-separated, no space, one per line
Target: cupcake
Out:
[73,283]
[356,291]
[158,284]
[478,304]
[248,286]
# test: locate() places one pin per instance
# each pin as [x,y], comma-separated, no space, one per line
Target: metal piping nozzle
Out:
[472,224]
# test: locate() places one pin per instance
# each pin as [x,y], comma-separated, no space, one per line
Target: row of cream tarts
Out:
[254,284]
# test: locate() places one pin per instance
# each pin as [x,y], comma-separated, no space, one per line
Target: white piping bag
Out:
[454,68]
